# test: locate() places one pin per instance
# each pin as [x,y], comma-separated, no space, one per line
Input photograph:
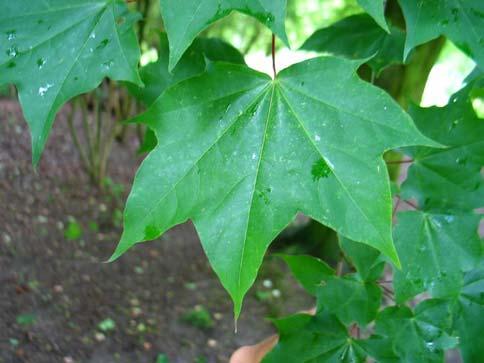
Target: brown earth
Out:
[66,290]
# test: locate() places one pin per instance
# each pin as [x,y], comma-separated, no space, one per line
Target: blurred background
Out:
[160,302]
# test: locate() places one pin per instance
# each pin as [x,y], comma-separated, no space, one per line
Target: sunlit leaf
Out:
[257,151]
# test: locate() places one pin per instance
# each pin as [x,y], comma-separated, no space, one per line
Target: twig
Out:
[274,55]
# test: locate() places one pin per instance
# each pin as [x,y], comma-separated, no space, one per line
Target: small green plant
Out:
[73,230]
[198,317]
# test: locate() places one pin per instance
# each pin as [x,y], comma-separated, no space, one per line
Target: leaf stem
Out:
[274,55]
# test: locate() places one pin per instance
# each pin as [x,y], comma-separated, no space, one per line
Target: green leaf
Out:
[157,78]
[418,336]
[448,179]
[308,270]
[468,312]
[460,21]
[53,51]
[184,20]
[320,338]
[367,260]
[257,151]
[162,358]
[349,298]
[434,250]
[376,8]
[359,37]
[107,325]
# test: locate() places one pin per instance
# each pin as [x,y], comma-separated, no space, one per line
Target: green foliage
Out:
[107,325]
[199,317]
[376,8]
[73,230]
[460,21]
[244,186]
[240,154]
[184,20]
[26,319]
[359,37]
[54,51]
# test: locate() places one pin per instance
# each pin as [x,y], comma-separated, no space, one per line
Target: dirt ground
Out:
[55,291]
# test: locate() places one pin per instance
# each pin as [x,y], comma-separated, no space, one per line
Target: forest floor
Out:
[60,303]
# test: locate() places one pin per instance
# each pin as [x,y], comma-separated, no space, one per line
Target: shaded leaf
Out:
[448,179]
[320,338]
[53,51]
[157,78]
[419,336]
[349,298]
[359,37]
[257,151]
[434,250]
[468,310]
[460,21]
[367,260]
[308,270]
[184,20]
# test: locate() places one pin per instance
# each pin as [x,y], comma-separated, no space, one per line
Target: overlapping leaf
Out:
[468,311]
[359,37]
[157,78]
[448,179]
[350,298]
[367,260]
[419,336]
[309,271]
[257,151]
[55,50]
[434,250]
[321,338]
[184,20]
[461,21]
[376,8]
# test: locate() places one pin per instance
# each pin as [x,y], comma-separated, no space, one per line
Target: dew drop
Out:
[12,52]
[317,138]
[43,90]
[11,35]
[93,35]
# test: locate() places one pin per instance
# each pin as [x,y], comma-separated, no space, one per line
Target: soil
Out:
[54,291]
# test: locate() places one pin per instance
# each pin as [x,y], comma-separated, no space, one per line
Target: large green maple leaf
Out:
[241,154]
[184,20]
[55,50]
[461,21]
